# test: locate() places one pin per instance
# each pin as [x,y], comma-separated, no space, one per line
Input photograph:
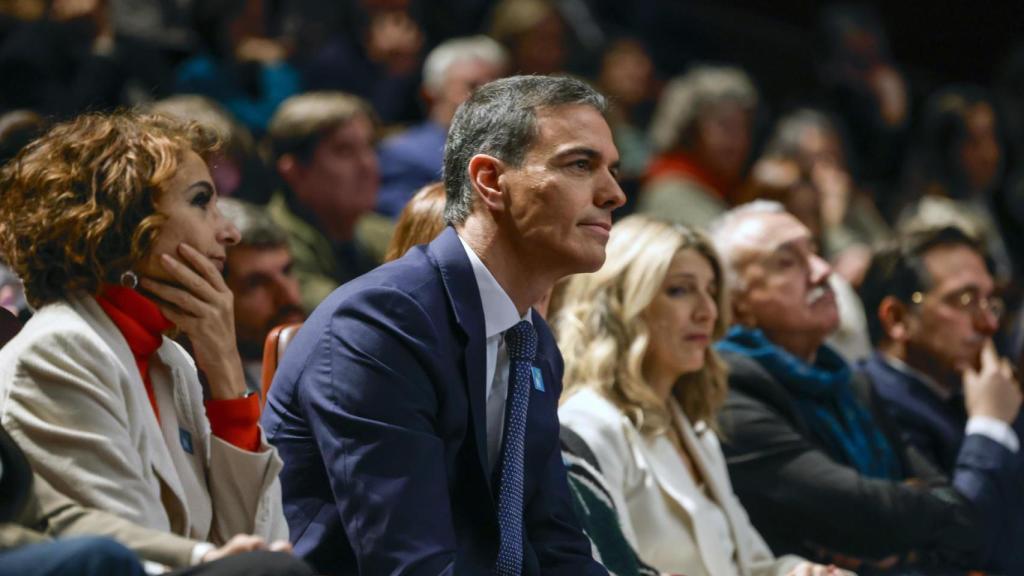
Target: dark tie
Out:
[521,342]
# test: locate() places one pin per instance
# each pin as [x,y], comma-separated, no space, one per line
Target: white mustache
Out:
[817,293]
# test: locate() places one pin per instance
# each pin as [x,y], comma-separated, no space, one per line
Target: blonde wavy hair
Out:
[603,334]
[77,205]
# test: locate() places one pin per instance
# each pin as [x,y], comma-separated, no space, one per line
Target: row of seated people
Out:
[415,411]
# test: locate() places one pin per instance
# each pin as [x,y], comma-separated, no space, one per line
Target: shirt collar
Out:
[500,313]
[908,370]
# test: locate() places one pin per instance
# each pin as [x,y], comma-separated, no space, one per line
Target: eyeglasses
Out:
[969,301]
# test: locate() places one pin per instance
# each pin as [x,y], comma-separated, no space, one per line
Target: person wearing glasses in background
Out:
[932,314]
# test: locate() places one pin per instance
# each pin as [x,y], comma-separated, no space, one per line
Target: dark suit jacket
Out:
[377,410]
[801,500]
[935,428]
[926,422]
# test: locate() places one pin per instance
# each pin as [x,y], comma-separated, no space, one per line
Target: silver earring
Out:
[129,279]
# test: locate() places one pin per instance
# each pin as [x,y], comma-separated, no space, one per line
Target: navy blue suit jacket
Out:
[378,412]
[936,430]
[933,426]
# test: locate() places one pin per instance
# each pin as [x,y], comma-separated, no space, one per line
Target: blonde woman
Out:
[642,386]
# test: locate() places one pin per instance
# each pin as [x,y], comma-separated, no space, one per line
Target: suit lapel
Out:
[137,401]
[464,297]
[674,478]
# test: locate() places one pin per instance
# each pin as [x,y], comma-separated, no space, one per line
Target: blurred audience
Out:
[321,147]
[871,94]
[62,60]
[534,33]
[642,389]
[957,162]
[375,53]
[239,65]
[236,167]
[702,133]
[112,223]
[412,159]
[851,223]
[806,440]
[259,270]
[627,77]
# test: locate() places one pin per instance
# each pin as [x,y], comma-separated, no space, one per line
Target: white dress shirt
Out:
[500,314]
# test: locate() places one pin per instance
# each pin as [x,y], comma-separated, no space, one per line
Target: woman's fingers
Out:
[189,279]
[204,266]
[181,302]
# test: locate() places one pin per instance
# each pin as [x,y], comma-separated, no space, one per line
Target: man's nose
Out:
[820,268]
[609,194]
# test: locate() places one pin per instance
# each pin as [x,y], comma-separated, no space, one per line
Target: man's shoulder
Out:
[415,277]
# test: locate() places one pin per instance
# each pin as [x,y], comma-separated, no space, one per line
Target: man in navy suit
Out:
[399,407]
[932,313]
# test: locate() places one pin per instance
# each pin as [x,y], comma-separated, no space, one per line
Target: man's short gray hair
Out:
[451,52]
[500,119]
[722,229]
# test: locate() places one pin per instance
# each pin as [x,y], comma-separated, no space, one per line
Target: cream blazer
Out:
[72,397]
[652,490]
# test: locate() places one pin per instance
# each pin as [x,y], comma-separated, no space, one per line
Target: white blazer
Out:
[72,397]
[657,499]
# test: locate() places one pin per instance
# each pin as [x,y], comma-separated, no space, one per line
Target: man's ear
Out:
[485,177]
[289,168]
[893,315]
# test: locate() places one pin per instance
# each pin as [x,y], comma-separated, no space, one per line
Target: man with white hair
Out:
[814,461]
[412,159]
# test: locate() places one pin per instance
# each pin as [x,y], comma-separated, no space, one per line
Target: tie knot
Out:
[521,341]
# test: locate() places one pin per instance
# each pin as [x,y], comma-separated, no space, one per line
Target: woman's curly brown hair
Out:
[77,205]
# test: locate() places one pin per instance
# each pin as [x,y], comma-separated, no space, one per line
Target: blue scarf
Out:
[823,395]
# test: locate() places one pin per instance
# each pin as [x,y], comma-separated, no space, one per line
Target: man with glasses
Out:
[812,454]
[932,314]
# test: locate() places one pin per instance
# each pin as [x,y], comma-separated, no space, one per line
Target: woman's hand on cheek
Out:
[202,306]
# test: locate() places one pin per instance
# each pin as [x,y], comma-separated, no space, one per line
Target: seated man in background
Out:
[805,440]
[933,314]
[260,272]
[412,159]
[321,146]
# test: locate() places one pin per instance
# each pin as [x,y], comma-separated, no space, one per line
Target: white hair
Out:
[451,52]
[722,234]
[686,97]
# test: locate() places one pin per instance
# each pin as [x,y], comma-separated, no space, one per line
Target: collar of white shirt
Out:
[500,313]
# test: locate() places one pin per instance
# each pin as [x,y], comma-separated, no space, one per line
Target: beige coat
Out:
[655,495]
[73,399]
[50,514]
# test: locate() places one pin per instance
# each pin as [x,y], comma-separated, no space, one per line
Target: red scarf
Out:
[141,323]
[682,164]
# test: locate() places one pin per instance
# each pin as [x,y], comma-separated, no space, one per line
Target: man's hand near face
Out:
[992,390]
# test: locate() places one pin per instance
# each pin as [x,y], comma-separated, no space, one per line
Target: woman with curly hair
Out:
[642,389]
[111,222]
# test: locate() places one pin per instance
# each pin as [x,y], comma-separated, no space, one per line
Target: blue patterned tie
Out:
[521,342]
